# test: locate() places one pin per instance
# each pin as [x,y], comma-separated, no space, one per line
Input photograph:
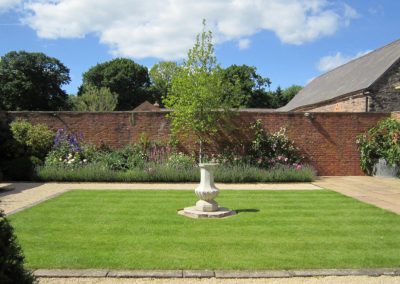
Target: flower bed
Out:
[268,158]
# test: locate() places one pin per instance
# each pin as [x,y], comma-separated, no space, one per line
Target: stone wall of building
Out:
[385,94]
[357,103]
[328,140]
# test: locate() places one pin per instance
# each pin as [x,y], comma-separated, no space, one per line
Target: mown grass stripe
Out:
[141,230]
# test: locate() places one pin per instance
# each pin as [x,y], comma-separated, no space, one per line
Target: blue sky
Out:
[289,41]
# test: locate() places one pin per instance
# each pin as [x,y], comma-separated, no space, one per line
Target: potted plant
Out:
[380,149]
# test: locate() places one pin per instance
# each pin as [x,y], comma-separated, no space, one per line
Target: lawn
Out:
[273,230]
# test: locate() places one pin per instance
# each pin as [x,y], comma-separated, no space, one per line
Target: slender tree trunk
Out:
[200,151]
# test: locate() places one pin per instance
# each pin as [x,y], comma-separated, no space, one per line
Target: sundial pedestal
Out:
[206,207]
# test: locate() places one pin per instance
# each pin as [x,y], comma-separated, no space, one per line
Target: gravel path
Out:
[297,280]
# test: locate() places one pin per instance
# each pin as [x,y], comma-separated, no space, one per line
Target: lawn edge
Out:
[105,273]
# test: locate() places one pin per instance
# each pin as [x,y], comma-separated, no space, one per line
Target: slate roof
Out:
[146,106]
[352,77]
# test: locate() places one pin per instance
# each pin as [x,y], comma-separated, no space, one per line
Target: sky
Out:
[288,41]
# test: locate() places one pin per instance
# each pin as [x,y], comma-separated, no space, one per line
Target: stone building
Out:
[370,83]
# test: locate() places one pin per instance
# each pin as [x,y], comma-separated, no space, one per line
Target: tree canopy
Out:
[161,75]
[32,81]
[251,86]
[94,99]
[198,93]
[129,80]
[280,97]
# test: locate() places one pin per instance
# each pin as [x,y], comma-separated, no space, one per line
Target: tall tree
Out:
[198,93]
[289,93]
[94,99]
[32,81]
[129,80]
[280,97]
[252,86]
[161,77]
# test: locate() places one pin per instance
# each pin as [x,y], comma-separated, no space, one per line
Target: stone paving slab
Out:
[64,273]
[145,273]
[383,192]
[198,274]
[252,274]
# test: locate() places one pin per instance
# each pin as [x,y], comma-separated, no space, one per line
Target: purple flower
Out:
[59,136]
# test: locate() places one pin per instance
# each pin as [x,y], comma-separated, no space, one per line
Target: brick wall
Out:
[327,139]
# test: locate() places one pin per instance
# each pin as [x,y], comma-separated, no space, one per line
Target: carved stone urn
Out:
[206,191]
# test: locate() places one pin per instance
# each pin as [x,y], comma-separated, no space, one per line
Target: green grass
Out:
[141,230]
[161,173]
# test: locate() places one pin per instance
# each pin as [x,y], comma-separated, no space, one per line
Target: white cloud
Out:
[330,62]
[166,29]
[6,5]
[350,13]
[244,43]
[377,9]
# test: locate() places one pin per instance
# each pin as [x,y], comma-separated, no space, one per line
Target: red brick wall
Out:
[327,139]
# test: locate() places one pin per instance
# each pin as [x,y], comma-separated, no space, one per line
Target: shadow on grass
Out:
[238,211]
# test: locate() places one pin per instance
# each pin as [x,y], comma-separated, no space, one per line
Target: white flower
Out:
[84,160]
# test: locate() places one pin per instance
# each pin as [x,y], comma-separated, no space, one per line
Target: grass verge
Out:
[273,230]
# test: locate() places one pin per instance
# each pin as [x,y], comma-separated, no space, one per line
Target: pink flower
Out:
[298,167]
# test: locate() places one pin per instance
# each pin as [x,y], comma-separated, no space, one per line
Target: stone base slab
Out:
[192,212]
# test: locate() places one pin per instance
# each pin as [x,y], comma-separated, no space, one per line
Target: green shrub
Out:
[380,142]
[268,150]
[181,161]
[37,138]
[19,169]
[11,258]
[129,157]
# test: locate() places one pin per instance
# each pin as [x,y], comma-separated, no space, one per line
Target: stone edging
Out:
[104,273]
